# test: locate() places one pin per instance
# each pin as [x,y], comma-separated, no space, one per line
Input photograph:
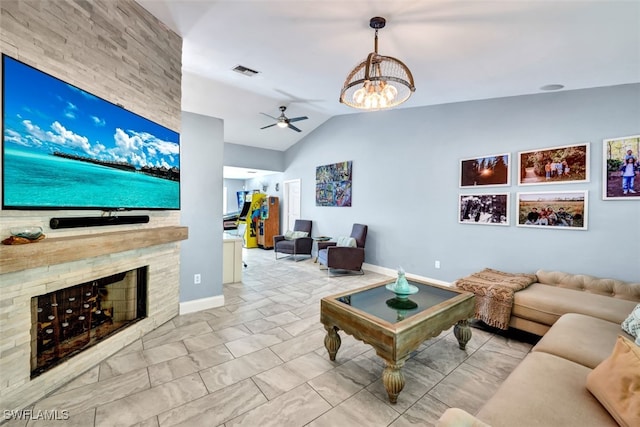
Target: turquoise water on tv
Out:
[33,179]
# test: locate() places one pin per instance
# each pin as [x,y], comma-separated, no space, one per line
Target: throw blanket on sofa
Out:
[494,292]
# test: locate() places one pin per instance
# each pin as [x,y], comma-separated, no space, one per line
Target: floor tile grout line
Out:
[268,288]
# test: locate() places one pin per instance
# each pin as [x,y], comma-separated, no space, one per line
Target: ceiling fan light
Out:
[283,121]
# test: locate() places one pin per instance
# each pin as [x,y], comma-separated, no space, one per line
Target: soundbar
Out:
[97,221]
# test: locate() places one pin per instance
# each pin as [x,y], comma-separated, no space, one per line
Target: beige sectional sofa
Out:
[537,307]
[580,319]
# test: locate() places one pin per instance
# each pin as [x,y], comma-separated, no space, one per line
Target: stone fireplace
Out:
[51,269]
[67,321]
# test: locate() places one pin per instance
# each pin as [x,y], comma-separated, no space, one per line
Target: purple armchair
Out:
[295,247]
[344,257]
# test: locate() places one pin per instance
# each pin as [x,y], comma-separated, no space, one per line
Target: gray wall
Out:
[235,185]
[406,175]
[253,158]
[201,181]
[270,181]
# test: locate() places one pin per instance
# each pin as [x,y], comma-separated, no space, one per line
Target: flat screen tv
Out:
[64,148]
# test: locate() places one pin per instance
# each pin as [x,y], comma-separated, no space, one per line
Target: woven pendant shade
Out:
[378,82]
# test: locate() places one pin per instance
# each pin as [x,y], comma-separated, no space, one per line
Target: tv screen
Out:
[64,148]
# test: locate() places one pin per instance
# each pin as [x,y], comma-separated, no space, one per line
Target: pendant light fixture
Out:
[379,82]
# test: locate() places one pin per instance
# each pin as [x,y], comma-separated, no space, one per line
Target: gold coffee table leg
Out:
[462,332]
[332,341]
[393,379]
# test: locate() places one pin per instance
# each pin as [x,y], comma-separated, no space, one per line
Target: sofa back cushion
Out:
[303,225]
[595,285]
[545,304]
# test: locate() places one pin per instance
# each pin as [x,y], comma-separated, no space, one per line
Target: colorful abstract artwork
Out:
[333,184]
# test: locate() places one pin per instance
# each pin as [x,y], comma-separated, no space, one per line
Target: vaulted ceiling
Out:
[456,50]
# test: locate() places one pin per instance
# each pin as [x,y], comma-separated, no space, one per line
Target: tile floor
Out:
[260,361]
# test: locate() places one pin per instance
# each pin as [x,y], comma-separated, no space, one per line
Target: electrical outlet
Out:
[437,264]
[197,279]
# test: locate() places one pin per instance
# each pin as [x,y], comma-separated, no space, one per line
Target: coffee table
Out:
[395,327]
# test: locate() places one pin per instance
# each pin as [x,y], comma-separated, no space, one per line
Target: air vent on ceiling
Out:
[244,70]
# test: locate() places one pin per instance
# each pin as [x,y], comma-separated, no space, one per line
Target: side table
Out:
[319,239]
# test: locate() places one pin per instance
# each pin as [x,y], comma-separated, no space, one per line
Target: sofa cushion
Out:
[582,339]
[631,324]
[616,383]
[456,417]
[545,390]
[545,304]
[591,284]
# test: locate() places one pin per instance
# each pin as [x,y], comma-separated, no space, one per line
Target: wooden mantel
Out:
[58,250]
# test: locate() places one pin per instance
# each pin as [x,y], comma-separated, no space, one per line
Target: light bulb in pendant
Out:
[358,96]
[389,92]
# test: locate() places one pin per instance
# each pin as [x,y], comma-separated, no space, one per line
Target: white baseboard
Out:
[393,273]
[218,300]
[201,304]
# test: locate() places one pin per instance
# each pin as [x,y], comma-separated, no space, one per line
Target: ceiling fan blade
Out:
[268,126]
[293,127]
[265,114]
[297,119]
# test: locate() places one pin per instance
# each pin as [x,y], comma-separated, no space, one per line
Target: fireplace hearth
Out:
[70,320]
[59,262]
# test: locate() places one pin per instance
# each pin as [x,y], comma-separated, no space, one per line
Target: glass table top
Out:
[383,304]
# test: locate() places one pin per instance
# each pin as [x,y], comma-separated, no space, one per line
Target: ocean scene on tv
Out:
[66,148]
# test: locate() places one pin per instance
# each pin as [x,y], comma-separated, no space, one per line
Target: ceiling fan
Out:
[283,121]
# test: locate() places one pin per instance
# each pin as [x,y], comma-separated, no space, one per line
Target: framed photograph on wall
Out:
[484,209]
[487,171]
[555,165]
[566,210]
[621,168]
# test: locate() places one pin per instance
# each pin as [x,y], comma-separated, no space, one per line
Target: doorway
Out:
[291,200]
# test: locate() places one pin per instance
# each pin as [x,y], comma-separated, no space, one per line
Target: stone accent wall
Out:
[118,51]
[113,49]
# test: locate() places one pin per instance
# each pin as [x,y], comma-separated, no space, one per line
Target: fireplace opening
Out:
[70,320]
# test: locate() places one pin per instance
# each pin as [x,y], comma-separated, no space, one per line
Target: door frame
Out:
[287,203]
